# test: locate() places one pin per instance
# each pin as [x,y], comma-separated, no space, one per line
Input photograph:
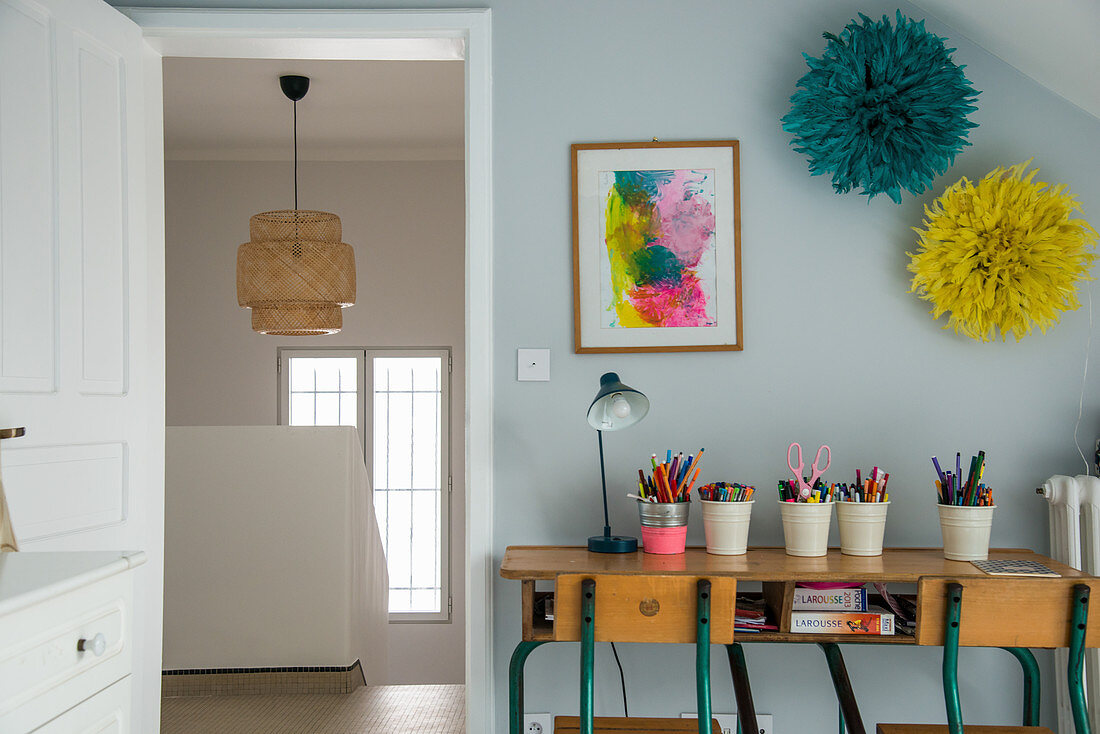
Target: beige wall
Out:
[406,223]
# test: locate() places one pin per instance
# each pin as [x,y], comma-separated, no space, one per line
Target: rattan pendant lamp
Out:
[295,273]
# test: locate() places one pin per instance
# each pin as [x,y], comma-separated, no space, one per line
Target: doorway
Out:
[326,36]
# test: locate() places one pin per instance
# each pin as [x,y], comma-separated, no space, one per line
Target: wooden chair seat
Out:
[967,729]
[633,725]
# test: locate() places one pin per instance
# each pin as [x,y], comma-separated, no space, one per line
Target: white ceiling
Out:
[1052,41]
[233,109]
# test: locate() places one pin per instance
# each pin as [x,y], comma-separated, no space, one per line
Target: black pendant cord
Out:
[295,155]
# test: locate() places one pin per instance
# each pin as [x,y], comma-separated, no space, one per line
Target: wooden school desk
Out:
[778,573]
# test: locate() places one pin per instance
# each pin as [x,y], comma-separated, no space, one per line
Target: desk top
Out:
[895,565]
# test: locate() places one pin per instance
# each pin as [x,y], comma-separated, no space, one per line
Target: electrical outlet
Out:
[537,724]
[728,722]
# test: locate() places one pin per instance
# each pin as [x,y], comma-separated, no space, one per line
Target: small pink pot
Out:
[665,541]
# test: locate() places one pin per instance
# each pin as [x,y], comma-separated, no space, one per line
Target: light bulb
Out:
[619,406]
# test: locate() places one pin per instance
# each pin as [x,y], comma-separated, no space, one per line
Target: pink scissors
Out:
[805,489]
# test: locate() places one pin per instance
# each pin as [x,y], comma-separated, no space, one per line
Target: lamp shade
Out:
[295,273]
[616,406]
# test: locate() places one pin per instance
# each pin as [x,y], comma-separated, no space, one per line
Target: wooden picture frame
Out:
[657,247]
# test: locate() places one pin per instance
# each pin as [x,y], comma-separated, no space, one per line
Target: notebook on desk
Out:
[1015,568]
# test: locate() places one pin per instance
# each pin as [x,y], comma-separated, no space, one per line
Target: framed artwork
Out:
[656,247]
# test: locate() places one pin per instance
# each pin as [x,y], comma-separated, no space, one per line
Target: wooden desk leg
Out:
[515,684]
[746,710]
[702,655]
[1032,683]
[588,652]
[843,686]
[1077,659]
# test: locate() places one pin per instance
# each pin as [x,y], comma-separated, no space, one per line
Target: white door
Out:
[81,298]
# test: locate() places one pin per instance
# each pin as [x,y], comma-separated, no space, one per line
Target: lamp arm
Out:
[603,481]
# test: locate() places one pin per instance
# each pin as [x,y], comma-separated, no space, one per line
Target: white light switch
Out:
[533,365]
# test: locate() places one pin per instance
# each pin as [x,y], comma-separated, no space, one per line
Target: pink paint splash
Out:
[679,304]
[687,220]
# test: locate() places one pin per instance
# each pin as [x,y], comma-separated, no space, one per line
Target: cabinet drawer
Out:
[107,712]
[43,671]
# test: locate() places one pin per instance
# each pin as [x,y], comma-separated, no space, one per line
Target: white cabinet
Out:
[107,712]
[66,641]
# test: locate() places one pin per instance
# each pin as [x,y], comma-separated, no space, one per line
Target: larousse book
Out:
[830,600]
[843,623]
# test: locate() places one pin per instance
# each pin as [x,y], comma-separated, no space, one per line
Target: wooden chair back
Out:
[1000,612]
[613,725]
[644,608]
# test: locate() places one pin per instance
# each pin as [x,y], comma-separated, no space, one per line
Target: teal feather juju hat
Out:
[883,109]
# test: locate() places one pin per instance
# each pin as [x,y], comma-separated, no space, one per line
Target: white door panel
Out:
[100,133]
[28,216]
[100,78]
[81,318]
[66,489]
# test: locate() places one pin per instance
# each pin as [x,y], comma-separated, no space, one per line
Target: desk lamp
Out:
[616,407]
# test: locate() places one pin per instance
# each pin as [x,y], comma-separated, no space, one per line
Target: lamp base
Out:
[612,544]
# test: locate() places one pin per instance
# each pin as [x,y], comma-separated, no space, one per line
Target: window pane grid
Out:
[323,391]
[408,477]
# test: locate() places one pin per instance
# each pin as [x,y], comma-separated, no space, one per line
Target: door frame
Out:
[362,35]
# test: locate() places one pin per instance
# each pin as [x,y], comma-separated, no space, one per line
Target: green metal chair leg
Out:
[840,718]
[515,684]
[951,659]
[588,651]
[1077,659]
[850,719]
[1032,682]
[702,655]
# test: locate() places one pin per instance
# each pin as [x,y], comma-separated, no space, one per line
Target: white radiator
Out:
[1075,541]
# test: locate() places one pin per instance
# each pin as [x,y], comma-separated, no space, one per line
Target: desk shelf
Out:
[536,627]
[895,639]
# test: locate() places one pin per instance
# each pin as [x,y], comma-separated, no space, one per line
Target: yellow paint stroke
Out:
[628,228]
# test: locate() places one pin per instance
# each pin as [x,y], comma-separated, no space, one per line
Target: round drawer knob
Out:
[96,646]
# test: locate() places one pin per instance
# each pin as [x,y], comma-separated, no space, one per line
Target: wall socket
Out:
[728,722]
[538,724]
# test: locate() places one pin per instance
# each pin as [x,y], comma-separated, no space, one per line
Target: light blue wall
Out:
[836,349]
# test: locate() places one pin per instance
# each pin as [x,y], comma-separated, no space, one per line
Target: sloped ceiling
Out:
[1055,42]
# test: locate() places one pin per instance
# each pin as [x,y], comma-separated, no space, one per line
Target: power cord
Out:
[622,678]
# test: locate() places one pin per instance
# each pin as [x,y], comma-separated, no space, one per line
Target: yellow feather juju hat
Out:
[1003,255]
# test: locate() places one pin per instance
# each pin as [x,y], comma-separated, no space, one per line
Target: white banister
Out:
[272,552]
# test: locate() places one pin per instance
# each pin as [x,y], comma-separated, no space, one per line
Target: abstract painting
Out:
[656,247]
[659,232]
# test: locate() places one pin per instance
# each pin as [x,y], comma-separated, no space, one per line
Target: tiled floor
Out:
[369,710]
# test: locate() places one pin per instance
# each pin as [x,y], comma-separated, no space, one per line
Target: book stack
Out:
[750,616]
[838,611]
